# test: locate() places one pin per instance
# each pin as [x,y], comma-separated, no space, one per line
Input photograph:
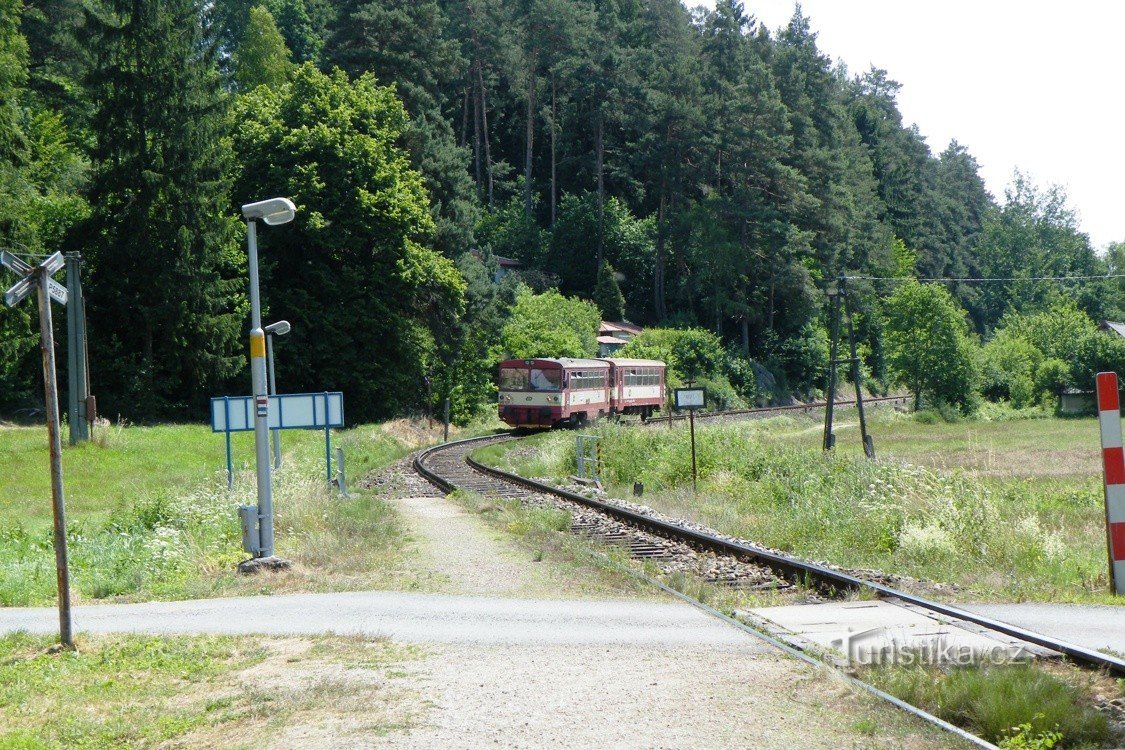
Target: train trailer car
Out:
[638,386]
[542,393]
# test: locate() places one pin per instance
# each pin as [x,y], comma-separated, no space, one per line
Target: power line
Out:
[1104,277]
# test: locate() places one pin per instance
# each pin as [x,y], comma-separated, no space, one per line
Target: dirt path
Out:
[462,554]
[459,553]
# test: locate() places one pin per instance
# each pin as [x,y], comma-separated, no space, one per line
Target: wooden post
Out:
[51,392]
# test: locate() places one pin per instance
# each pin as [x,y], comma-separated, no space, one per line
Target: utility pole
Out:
[854,363]
[77,360]
[39,279]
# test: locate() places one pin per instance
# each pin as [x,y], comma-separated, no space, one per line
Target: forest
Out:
[685,169]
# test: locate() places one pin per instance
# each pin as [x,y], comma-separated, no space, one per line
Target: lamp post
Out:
[280,328]
[273,212]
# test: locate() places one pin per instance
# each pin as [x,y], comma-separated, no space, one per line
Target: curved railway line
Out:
[714,558]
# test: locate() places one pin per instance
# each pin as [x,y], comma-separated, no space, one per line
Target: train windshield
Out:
[513,379]
[545,380]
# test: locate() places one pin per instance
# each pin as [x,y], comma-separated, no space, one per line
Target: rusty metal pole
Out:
[50,388]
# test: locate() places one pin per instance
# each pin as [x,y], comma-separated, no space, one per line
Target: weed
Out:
[1016,702]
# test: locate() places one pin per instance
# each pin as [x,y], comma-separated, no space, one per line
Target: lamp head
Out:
[280,328]
[273,211]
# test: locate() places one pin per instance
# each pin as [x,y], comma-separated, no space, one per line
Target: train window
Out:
[545,380]
[513,379]
[580,380]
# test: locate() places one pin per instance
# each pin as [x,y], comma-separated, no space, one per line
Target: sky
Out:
[1025,84]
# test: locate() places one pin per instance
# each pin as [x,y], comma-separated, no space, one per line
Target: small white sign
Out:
[690,398]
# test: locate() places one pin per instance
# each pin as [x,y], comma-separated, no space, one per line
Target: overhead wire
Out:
[970,280]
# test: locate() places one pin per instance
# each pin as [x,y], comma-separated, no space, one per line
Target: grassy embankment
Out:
[1004,509]
[150,516]
[200,692]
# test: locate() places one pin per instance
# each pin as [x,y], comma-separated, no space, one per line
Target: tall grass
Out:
[944,526]
[181,537]
[997,701]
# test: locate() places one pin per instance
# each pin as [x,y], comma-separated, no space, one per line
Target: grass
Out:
[1014,705]
[150,516]
[198,692]
[1021,524]
[545,534]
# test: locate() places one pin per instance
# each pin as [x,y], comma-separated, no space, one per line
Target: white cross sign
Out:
[22,288]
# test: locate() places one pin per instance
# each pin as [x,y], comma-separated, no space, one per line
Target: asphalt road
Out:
[418,618]
[1091,625]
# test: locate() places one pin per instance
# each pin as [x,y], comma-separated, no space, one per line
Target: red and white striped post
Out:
[1113,461]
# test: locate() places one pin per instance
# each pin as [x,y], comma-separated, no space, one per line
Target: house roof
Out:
[620,325]
[1118,328]
[611,340]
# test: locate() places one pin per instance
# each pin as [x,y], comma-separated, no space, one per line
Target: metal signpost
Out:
[79,413]
[691,399]
[588,457]
[273,212]
[39,278]
[280,328]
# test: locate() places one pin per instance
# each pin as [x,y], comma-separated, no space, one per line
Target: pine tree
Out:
[607,294]
[406,43]
[166,300]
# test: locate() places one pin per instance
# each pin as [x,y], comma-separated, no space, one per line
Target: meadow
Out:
[150,515]
[1008,506]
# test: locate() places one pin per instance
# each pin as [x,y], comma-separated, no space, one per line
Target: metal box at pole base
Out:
[248,516]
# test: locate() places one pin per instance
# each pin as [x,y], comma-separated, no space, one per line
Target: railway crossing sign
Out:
[39,278]
[26,285]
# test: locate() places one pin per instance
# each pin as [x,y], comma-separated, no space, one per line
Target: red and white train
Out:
[543,393]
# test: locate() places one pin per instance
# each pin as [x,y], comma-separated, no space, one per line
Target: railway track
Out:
[763,412]
[450,466]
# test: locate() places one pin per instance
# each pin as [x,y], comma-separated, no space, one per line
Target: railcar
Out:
[638,386]
[546,392]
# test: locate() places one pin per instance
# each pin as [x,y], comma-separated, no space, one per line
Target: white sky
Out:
[1021,83]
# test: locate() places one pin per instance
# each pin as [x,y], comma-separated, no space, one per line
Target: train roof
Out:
[567,363]
[634,362]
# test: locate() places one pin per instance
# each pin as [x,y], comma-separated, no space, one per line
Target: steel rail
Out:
[809,658]
[794,568]
[802,408]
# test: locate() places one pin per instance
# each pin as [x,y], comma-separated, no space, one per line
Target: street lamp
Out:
[280,328]
[273,212]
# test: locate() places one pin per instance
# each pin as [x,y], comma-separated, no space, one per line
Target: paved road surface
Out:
[418,618]
[1093,626]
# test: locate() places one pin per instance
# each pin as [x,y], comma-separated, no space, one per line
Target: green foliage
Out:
[1016,705]
[262,59]
[1034,356]
[607,294]
[549,325]
[370,304]
[166,297]
[928,347]
[695,355]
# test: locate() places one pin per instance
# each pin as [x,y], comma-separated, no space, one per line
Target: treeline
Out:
[681,168]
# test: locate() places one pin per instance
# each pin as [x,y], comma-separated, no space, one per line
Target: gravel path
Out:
[464,555]
[639,697]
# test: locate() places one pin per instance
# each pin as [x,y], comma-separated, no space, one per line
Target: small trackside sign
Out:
[690,398]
